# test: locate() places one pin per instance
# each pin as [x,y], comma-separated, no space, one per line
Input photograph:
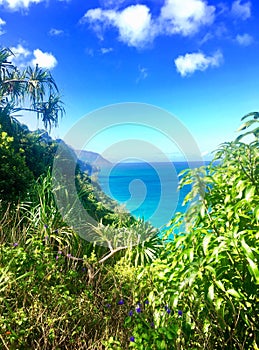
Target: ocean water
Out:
[147,190]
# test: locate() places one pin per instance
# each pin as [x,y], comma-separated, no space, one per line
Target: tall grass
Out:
[58,291]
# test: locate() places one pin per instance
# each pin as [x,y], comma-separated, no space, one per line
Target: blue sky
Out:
[196,59]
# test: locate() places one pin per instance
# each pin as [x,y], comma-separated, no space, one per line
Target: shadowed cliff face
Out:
[91,161]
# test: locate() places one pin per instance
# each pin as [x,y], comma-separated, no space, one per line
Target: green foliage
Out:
[210,269]
[24,155]
[15,177]
[35,85]
[126,290]
[50,294]
[57,290]
[247,124]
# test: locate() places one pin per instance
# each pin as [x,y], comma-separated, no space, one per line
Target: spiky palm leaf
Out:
[33,89]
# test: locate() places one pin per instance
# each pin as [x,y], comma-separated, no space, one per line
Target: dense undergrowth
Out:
[196,289]
[56,290]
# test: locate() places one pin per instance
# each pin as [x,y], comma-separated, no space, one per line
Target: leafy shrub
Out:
[210,269]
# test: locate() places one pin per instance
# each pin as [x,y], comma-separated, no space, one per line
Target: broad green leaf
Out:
[246,124]
[253,270]
[252,132]
[211,269]
[203,211]
[251,114]
[249,193]
[218,303]
[220,285]
[233,292]
[211,292]
[191,254]
[227,198]
[128,320]
[205,243]
[247,250]
[256,212]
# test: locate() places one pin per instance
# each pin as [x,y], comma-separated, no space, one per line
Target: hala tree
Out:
[24,155]
[32,89]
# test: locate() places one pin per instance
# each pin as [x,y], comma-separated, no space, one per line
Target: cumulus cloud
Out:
[21,55]
[186,16]
[241,11]
[191,62]
[2,23]
[56,32]
[137,28]
[244,40]
[133,23]
[18,4]
[24,57]
[44,59]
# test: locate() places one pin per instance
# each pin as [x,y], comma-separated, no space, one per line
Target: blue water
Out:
[148,191]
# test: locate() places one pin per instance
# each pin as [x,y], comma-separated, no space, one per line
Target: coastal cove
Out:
[147,190]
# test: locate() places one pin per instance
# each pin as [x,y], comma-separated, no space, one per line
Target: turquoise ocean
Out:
[147,190]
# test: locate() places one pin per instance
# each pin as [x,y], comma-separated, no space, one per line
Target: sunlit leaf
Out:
[211,292]
[253,270]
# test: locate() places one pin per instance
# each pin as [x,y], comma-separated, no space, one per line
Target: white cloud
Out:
[137,28]
[105,50]
[191,62]
[2,23]
[56,32]
[24,57]
[242,11]
[21,55]
[44,59]
[133,23]
[186,16]
[17,4]
[245,39]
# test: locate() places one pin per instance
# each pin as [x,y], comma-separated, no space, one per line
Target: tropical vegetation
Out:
[196,288]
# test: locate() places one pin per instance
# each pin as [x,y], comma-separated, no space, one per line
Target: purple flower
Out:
[152,324]
[57,257]
[56,231]
[15,244]
[131,313]
[45,225]
[121,302]
[69,255]
[180,313]
[138,310]
[146,302]
[167,309]
[132,339]
[108,305]
[59,252]
[83,269]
